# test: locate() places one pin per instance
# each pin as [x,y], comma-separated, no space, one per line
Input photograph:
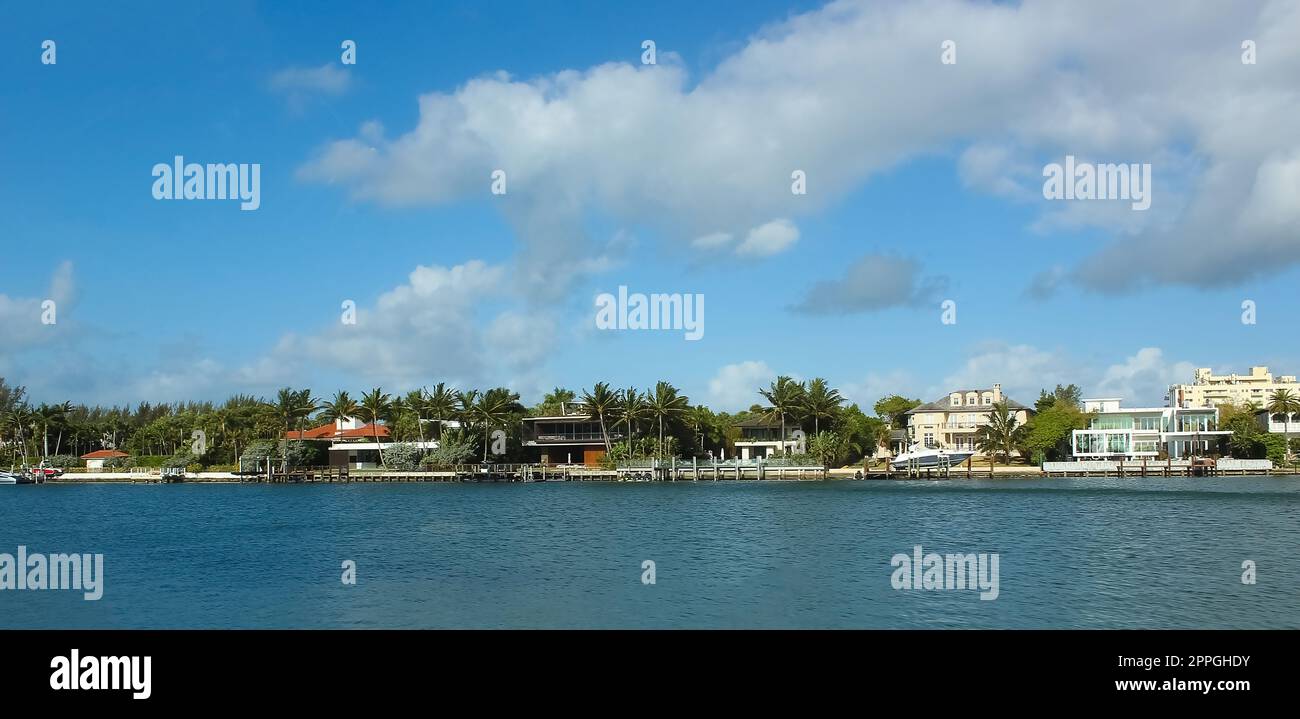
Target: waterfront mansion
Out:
[952,420]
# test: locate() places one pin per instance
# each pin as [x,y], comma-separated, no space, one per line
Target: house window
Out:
[929,439]
[956,400]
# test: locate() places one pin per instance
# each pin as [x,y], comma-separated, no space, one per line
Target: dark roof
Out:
[944,403]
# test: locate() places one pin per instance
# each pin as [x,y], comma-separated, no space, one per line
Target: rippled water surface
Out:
[1072,553]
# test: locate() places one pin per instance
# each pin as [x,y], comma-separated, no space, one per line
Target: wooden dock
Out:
[652,472]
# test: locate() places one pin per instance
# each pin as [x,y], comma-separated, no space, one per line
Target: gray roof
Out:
[944,403]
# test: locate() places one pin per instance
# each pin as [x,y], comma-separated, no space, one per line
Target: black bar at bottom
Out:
[334,668]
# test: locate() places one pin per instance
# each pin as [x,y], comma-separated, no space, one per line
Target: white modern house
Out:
[1117,432]
[762,438]
[1279,423]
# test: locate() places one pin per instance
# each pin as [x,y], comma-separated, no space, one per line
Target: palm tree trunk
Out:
[604,435]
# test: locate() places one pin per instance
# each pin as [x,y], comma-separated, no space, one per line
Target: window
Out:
[956,400]
[988,398]
[929,439]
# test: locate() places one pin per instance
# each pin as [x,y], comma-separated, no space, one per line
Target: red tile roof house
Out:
[352,444]
[95,460]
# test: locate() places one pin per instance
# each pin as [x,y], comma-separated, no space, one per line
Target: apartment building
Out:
[1210,390]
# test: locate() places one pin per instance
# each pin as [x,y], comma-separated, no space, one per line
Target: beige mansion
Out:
[952,421]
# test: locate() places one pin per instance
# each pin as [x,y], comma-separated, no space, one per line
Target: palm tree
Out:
[46,415]
[62,421]
[493,410]
[785,398]
[1001,433]
[465,404]
[417,403]
[1284,402]
[340,408]
[440,404]
[377,405]
[554,402]
[820,402]
[291,408]
[701,420]
[631,411]
[599,402]
[665,403]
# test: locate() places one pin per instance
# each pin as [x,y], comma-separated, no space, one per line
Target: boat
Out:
[17,478]
[42,473]
[918,457]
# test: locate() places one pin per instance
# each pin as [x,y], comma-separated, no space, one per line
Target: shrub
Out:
[402,456]
[298,453]
[452,449]
[63,461]
[182,460]
[119,463]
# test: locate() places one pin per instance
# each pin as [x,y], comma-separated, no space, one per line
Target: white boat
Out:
[918,457]
[15,478]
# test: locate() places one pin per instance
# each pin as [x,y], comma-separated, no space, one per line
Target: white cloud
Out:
[300,82]
[1034,81]
[1143,379]
[872,282]
[876,385]
[735,386]
[1022,370]
[21,318]
[769,239]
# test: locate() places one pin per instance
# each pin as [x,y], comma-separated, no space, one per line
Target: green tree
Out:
[1002,432]
[599,403]
[340,408]
[785,400]
[555,403]
[1047,434]
[827,447]
[1285,403]
[291,408]
[894,408]
[376,405]
[665,404]
[822,402]
[632,410]
[1069,396]
[494,409]
[441,405]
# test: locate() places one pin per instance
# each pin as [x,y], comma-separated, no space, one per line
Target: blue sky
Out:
[924,181]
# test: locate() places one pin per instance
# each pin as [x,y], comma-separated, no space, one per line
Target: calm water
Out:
[1073,553]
